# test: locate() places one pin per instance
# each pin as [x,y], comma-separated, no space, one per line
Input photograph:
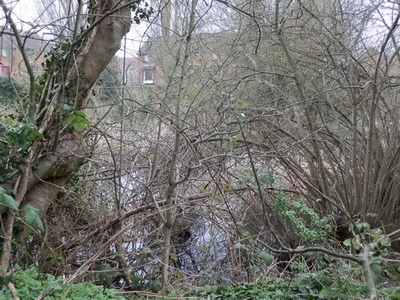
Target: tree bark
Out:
[169,215]
[93,50]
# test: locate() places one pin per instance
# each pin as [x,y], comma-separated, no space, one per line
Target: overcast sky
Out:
[22,9]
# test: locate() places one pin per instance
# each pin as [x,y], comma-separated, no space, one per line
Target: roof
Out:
[208,42]
[31,41]
[131,63]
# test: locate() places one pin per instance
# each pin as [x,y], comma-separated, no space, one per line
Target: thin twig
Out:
[46,293]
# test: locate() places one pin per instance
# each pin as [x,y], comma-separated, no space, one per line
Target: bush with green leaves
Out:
[30,284]
[9,88]
[309,225]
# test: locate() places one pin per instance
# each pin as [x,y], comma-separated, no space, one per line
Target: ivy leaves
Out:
[18,135]
[30,214]
[16,138]
[267,258]
[142,11]
[77,119]
[7,200]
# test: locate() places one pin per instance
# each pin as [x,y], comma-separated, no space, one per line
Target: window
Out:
[5,53]
[148,75]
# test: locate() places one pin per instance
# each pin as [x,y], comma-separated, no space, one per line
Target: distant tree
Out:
[9,88]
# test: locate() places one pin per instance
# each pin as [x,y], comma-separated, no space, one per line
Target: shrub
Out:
[30,284]
[9,89]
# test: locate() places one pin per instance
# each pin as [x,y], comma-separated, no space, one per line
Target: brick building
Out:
[11,61]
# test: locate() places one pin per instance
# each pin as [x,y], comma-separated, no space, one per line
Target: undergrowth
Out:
[29,284]
[306,286]
[275,290]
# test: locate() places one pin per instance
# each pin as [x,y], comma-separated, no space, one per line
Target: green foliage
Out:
[77,119]
[149,282]
[392,293]
[105,277]
[374,238]
[32,216]
[16,139]
[9,88]
[142,11]
[7,200]
[29,284]
[306,286]
[17,134]
[54,59]
[376,243]
[267,258]
[310,226]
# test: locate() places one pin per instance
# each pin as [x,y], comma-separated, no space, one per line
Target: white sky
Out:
[25,11]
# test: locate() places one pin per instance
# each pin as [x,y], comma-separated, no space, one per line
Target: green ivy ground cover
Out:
[304,287]
[29,284]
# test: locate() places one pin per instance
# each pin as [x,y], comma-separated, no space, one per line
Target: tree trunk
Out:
[64,151]
[169,215]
